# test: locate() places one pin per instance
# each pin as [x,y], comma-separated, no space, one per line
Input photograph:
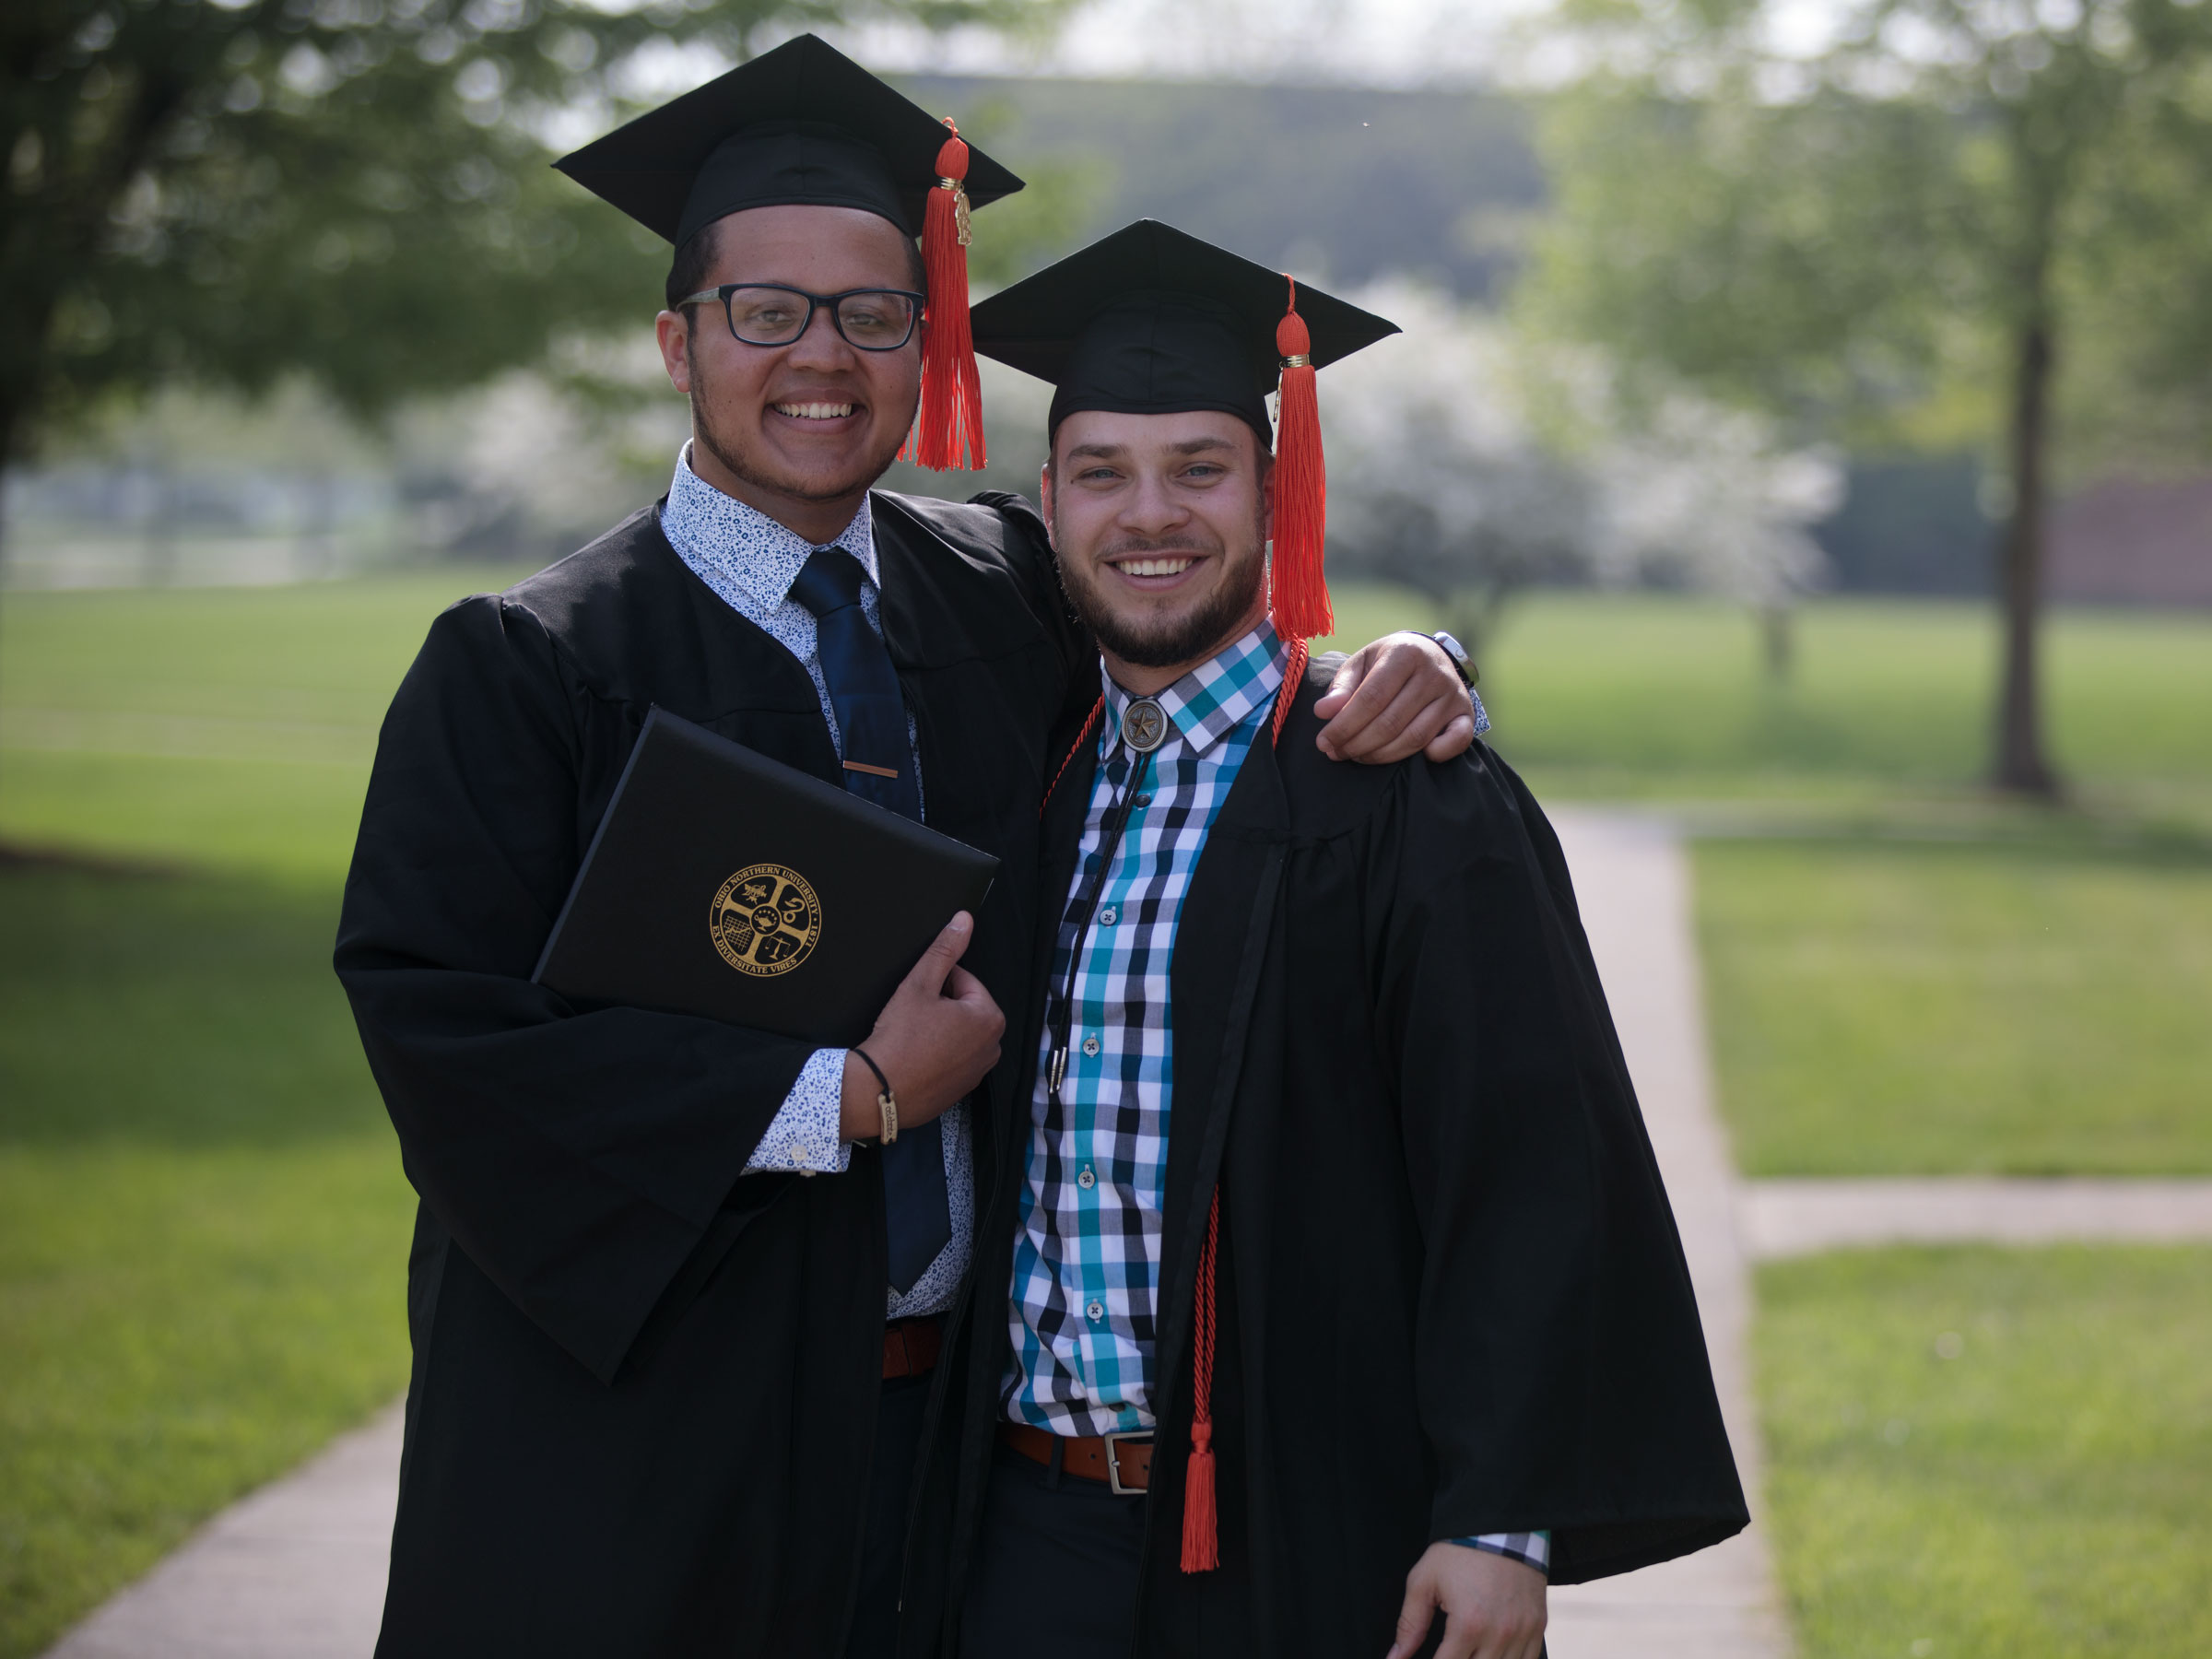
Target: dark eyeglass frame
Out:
[814,303]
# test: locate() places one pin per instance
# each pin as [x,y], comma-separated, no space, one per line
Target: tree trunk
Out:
[11,421]
[1778,643]
[2021,768]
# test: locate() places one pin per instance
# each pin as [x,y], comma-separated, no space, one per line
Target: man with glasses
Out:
[676,1319]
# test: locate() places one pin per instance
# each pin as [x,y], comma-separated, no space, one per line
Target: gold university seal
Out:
[765,920]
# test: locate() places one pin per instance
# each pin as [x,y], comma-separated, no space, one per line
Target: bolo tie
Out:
[1145,726]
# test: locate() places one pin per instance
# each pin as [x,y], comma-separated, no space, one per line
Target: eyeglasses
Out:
[767,313]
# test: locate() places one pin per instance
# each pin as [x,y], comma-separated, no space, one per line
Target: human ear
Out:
[672,333]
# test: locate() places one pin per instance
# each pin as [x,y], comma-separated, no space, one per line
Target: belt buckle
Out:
[1114,1462]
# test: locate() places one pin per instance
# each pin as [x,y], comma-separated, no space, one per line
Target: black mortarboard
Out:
[803,124]
[1154,322]
[1151,320]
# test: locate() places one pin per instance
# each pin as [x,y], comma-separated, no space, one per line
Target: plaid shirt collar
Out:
[1213,700]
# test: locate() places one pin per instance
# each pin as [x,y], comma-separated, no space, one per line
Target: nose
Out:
[820,345]
[1151,508]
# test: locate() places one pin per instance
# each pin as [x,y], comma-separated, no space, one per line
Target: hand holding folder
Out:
[724,884]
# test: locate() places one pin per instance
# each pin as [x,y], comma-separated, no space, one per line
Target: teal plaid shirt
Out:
[1084,1304]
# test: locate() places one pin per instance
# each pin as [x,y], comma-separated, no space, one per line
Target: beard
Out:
[1169,641]
[762,472]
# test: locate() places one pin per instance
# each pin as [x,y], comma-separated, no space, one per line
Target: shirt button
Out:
[1097,1308]
[1091,1047]
[1109,916]
[1087,1178]
[1143,800]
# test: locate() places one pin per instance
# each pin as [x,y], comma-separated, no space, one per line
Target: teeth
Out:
[1158,567]
[815,411]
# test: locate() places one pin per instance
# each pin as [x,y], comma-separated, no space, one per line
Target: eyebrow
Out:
[1107,451]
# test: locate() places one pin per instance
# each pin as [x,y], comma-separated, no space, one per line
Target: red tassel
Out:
[1298,604]
[1201,1528]
[1294,675]
[952,395]
[1091,721]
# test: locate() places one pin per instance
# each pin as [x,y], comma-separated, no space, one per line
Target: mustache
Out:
[1145,543]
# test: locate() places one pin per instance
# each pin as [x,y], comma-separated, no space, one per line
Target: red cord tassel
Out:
[952,396]
[1294,675]
[1201,1528]
[1300,602]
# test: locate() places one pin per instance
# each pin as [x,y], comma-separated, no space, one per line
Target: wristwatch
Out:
[1468,673]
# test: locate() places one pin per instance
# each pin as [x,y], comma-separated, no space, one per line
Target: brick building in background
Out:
[2134,542]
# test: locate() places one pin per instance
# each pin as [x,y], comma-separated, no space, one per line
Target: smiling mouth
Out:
[1174,565]
[815,411]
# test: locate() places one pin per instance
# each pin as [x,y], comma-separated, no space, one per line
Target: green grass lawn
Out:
[203,1225]
[230,728]
[234,727]
[2030,1005]
[202,1220]
[1658,695]
[1991,1454]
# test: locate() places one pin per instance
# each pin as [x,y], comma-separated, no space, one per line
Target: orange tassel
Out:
[1299,600]
[952,395]
[1294,675]
[1201,1528]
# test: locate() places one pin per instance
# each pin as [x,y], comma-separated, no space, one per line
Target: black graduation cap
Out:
[806,124]
[1151,320]
[803,124]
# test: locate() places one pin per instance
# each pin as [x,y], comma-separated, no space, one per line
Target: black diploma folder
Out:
[726,884]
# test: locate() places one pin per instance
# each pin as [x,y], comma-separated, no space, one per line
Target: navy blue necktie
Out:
[879,766]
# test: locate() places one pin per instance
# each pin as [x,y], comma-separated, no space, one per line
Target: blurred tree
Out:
[1438,481]
[1902,226]
[1468,462]
[230,191]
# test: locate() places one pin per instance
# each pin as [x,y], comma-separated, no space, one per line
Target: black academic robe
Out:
[645,1388]
[1450,1296]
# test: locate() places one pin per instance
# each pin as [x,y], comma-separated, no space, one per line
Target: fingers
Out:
[1493,1639]
[1416,1616]
[1349,735]
[1373,725]
[964,987]
[1483,1633]
[1426,725]
[1349,673]
[1455,740]
[927,977]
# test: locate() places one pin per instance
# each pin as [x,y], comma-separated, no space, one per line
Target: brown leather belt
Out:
[1121,1460]
[910,1346]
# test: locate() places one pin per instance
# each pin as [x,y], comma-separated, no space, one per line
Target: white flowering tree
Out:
[1438,480]
[1468,462]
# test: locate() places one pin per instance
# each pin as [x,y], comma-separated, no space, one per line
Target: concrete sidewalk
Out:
[1632,884]
[1799,1216]
[294,1571]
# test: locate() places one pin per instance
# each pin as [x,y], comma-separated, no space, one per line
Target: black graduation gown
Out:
[1452,1298]
[644,1388]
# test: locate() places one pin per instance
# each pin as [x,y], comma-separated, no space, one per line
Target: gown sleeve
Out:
[577,1155]
[1029,553]
[1561,1370]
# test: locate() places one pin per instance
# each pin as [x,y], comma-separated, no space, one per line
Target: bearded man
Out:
[1329,1300]
[676,1319]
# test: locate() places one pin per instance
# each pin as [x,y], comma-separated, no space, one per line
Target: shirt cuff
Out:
[806,1133]
[1529,1549]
